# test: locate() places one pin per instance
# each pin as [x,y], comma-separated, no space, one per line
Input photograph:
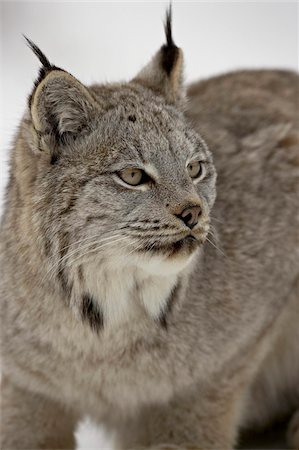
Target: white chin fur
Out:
[157,264]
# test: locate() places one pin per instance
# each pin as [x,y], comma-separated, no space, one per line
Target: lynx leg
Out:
[293,431]
[191,421]
[30,421]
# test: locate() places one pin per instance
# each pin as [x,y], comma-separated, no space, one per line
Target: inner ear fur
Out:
[60,104]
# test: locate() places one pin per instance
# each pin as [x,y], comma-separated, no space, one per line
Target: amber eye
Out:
[134,177]
[195,169]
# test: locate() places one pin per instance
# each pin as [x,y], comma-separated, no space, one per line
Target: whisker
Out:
[136,248]
[68,255]
[213,233]
[212,243]
[95,250]
[78,248]
[121,226]
[154,235]
[86,239]
[217,220]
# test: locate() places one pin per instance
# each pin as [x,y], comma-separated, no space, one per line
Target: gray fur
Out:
[84,315]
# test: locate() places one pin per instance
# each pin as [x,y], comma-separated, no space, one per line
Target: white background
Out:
[99,42]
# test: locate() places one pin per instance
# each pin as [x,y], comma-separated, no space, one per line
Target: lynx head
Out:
[121,177]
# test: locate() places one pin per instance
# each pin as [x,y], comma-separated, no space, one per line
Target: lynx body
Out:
[129,291]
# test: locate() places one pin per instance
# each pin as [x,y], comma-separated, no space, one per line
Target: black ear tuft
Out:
[167,27]
[164,73]
[170,51]
[43,59]
[46,65]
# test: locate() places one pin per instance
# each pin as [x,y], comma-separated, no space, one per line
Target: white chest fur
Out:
[130,289]
[128,292]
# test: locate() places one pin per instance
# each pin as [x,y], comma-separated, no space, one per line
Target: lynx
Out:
[129,292]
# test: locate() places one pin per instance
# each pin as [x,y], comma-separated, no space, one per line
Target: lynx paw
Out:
[293,432]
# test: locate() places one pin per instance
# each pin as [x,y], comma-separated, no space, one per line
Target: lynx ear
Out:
[164,73]
[60,105]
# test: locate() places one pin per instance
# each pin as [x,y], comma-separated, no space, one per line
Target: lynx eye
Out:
[133,177]
[195,169]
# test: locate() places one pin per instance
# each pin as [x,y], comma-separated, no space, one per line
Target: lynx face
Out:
[121,189]
[123,178]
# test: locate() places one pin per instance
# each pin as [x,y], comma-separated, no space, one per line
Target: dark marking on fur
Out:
[91,313]
[54,159]
[288,141]
[47,245]
[152,227]
[80,274]
[170,52]
[66,285]
[96,218]
[61,273]
[168,307]
[132,118]
[163,321]
[19,201]
[70,205]
[82,183]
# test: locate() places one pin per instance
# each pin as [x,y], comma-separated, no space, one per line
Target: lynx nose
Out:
[190,215]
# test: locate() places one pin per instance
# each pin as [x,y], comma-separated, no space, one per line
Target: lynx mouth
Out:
[186,245]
